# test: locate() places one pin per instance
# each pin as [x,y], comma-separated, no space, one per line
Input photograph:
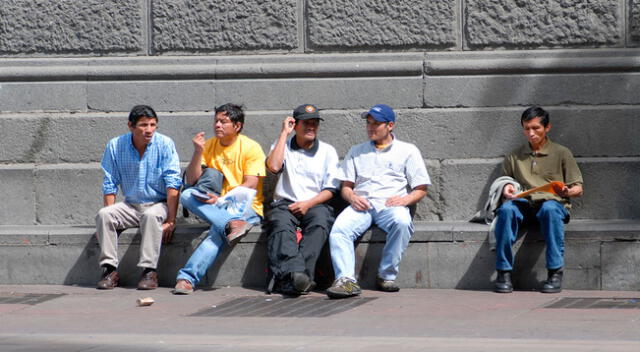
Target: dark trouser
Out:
[285,254]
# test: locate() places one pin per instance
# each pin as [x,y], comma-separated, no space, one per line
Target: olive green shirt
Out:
[551,163]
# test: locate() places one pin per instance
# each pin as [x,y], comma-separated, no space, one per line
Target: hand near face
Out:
[288,125]
[198,142]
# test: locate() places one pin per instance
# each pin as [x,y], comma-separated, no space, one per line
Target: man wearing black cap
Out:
[375,176]
[306,169]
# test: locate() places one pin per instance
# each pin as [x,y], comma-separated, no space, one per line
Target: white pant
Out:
[149,217]
[351,224]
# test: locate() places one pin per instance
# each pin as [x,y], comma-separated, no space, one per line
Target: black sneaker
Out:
[387,285]
[343,287]
[301,282]
[311,287]
[294,284]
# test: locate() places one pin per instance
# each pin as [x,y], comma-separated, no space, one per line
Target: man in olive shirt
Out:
[536,163]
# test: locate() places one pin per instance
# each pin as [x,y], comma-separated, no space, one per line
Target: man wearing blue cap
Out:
[375,176]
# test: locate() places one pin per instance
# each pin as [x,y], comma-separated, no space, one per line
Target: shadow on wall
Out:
[85,270]
[508,95]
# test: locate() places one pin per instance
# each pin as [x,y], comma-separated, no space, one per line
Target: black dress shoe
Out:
[503,282]
[554,282]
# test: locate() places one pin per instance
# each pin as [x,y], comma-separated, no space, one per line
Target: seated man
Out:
[375,176]
[240,160]
[146,166]
[307,169]
[536,163]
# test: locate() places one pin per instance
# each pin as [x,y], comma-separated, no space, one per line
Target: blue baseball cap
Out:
[381,113]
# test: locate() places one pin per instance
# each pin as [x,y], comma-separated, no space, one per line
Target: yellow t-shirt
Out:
[243,157]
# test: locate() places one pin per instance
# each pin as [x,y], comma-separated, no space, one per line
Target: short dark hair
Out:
[140,111]
[234,113]
[533,112]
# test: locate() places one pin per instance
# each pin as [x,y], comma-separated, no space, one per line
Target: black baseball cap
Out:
[306,112]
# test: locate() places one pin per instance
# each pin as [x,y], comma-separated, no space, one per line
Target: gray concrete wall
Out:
[459,73]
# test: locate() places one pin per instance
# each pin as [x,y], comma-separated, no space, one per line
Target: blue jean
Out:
[550,215]
[206,253]
[351,224]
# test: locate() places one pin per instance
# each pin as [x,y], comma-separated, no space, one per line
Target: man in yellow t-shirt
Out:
[240,161]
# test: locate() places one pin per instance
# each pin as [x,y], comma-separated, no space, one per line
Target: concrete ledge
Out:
[320,65]
[211,67]
[599,255]
[529,62]
[271,82]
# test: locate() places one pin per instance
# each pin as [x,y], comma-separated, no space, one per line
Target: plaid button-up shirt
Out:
[142,180]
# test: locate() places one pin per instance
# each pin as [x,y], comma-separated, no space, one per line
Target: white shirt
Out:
[306,173]
[381,174]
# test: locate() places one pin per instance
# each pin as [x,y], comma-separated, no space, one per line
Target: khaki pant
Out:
[149,217]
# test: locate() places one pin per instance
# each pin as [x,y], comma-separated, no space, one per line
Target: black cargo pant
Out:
[285,254]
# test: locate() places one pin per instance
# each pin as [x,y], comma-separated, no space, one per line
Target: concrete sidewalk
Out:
[86,319]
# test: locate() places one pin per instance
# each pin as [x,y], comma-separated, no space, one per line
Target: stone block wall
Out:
[206,26]
[380,25]
[534,24]
[71,27]
[459,73]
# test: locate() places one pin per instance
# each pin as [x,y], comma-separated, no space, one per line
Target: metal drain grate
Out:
[263,306]
[595,303]
[27,298]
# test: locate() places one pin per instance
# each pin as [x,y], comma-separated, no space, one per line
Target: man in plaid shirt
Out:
[146,166]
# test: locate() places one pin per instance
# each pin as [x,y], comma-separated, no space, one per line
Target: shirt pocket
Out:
[155,179]
[552,176]
[393,168]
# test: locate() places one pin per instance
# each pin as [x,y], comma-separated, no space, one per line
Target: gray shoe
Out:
[343,287]
[387,285]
